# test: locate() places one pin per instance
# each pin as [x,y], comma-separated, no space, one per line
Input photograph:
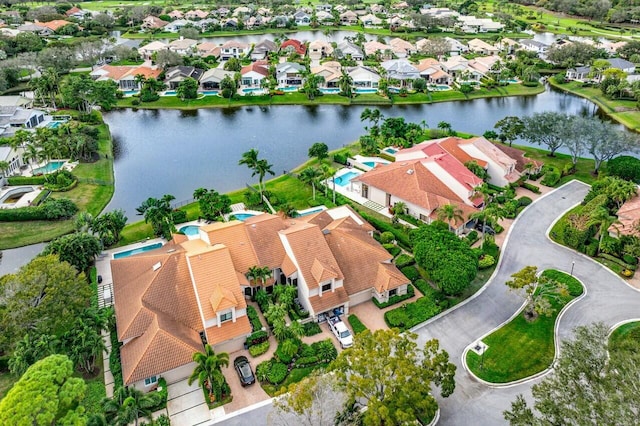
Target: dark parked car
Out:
[485,229]
[243,368]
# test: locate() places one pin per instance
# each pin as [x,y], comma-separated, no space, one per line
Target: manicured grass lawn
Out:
[626,332]
[522,348]
[584,167]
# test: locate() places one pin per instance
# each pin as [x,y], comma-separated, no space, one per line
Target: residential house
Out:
[56,24]
[230,24]
[234,49]
[77,13]
[458,68]
[584,73]
[363,77]
[196,14]
[153,23]
[349,18]
[262,49]
[192,290]
[485,65]
[294,46]
[13,157]
[524,165]
[482,47]
[290,74]
[419,184]
[183,46]
[622,64]
[402,48]
[325,18]
[374,48]
[301,18]
[370,21]
[471,24]
[125,75]
[377,8]
[324,8]
[36,28]
[456,47]
[16,113]
[431,70]
[208,49]
[319,49]
[242,11]
[348,49]
[578,73]
[175,75]
[401,5]
[507,45]
[175,14]
[402,70]
[207,24]
[533,46]
[252,75]
[148,50]
[177,25]
[331,72]
[613,47]
[212,78]
[628,222]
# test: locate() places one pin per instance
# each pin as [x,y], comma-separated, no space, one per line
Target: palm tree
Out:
[262,168]
[208,371]
[450,214]
[137,404]
[603,219]
[264,273]
[158,212]
[310,175]
[445,127]
[253,274]
[346,84]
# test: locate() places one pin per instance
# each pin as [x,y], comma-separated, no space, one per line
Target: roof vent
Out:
[326,231]
[410,171]
[157,266]
[253,225]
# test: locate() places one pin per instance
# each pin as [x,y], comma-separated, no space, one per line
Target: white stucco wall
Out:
[496,171]
[449,180]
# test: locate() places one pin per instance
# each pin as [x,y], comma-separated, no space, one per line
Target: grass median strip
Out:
[522,348]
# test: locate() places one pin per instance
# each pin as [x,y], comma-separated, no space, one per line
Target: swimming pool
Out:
[190,230]
[138,250]
[288,89]
[345,178]
[210,92]
[130,92]
[330,91]
[170,93]
[359,90]
[369,163]
[257,90]
[243,216]
[54,124]
[510,81]
[310,211]
[50,167]
[390,150]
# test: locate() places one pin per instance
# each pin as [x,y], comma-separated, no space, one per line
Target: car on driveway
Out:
[243,368]
[485,228]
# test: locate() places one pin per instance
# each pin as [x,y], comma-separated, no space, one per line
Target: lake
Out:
[174,152]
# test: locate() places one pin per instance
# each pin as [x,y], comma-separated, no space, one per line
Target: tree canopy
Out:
[46,394]
[79,249]
[320,150]
[395,382]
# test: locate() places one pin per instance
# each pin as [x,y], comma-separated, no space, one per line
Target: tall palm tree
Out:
[250,159]
[253,274]
[450,214]
[137,404]
[310,175]
[263,167]
[445,127]
[346,84]
[208,371]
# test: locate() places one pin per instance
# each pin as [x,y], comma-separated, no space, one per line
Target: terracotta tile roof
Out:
[329,300]
[261,67]
[519,156]
[263,234]
[452,146]
[118,73]
[165,345]
[288,266]
[217,286]
[428,63]
[298,46]
[491,151]
[56,24]
[629,218]
[456,170]
[308,246]
[412,182]
[235,237]
[389,277]
[322,272]
[228,330]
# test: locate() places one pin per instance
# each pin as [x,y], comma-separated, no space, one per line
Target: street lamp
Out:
[573,263]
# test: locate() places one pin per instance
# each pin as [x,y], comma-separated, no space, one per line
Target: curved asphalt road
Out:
[608,299]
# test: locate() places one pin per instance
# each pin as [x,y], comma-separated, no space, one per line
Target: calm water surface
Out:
[175,152]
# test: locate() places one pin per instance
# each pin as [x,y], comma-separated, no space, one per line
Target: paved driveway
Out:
[186,405]
[608,299]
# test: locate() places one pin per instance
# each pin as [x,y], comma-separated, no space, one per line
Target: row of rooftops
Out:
[168,296]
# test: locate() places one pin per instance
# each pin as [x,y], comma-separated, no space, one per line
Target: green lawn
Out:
[92,197]
[584,167]
[522,348]
[626,332]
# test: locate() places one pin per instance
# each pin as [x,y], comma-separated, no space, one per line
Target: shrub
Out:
[135,102]
[399,233]
[51,209]
[524,201]
[306,361]
[386,237]
[340,158]
[277,373]
[412,314]
[259,349]
[618,261]
[404,260]
[392,249]
[491,248]
[357,325]
[625,167]
[591,249]
[262,370]
[325,350]
[486,261]
[24,180]
[626,273]
[423,286]
[531,187]
[254,319]
[472,237]
[179,216]
[631,260]
[410,272]
[287,350]
[311,329]
[395,299]
[551,177]
[257,337]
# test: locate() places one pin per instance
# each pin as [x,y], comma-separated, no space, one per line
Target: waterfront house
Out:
[325,7]
[125,75]
[234,49]
[183,46]
[252,75]
[471,24]
[507,45]
[348,49]
[177,25]
[208,49]
[175,14]
[402,70]
[262,49]
[456,47]
[331,72]
[290,74]
[211,78]
[375,48]
[148,50]
[482,47]
[293,46]
[533,46]
[363,77]
[584,73]
[431,70]
[319,49]
[349,18]
[207,24]
[175,75]
[370,21]
[13,158]
[402,48]
[171,300]
[153,23]
[325,18]
[524,165]
[196,14]
[301,18]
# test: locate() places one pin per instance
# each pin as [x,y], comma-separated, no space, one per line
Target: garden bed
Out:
[522,348]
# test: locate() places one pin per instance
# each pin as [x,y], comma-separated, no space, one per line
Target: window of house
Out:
[424,218]
[151,380]
[326,287]
[227,316]
[393,292]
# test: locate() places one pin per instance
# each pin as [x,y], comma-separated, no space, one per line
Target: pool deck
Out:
[68,165]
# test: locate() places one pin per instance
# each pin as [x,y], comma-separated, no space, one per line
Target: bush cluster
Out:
[254,319]
[51,209]
[524,201]
[423,286]
[26,180]
[340,158]
[277,373]
[398,232]
[259,349]
[311,329]
[625,167]
[392,249]
[357,325]
[486,261]
[410,272]
[412,314]
[551,176]
[404,260]
[257,337]
[531,187]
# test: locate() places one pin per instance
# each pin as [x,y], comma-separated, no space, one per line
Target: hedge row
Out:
[412,314]
[259,349]
[357,325]
[401,237]
[257,337]
[52,209]
[254,319]
[26,180]
[618,261]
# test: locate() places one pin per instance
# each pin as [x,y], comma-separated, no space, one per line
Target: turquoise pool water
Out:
[390,150]
[345,178]
[54,124]
[288,89]
[253,90]
[50,167]
[210,92]
[139,250]
[243,216]
[190,230]
[330,91]
[170,93]
[369,163]
[130,92]
[366,90]
[318,210]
